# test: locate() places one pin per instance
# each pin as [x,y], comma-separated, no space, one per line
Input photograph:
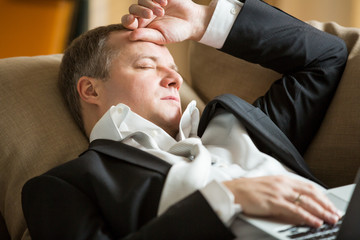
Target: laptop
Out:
[346,199]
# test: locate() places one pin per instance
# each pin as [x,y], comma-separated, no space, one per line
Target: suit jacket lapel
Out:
[129,154]
[265,134]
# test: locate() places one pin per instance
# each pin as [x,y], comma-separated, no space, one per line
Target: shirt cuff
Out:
[221,22]
[221,201]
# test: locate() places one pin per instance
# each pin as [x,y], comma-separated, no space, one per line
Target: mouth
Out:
[171,98]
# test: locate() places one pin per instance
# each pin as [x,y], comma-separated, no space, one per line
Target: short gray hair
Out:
[88,55]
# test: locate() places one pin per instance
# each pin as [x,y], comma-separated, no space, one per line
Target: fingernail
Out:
[333,218]
[163,2]
[319,223]
[339,213]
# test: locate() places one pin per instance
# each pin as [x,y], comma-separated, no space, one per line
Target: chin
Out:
[171,123]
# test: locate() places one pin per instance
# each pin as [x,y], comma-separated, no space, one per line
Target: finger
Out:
[314,208]
[132,22]
[140,11]
[147,34]
[324,202]
[317,195]
[295,214]
[162,3]
[129,21]
[153,6]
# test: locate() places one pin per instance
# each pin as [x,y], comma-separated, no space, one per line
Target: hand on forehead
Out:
[167,21]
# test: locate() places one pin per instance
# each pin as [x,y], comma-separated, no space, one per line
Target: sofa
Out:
[37,132]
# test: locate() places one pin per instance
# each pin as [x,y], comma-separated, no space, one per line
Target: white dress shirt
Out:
[224,152]
[225,13]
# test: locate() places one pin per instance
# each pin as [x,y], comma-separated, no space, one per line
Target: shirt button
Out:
[153,133]
[233,11]
[119,110]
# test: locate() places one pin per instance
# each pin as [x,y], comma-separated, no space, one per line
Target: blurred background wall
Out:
[33,27]
[37,27]
[344,12]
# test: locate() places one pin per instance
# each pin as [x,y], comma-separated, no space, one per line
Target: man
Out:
[153,172]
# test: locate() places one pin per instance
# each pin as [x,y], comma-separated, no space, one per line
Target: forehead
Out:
[120,40]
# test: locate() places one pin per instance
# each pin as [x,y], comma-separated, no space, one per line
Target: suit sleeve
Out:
[310,60]
[55,209]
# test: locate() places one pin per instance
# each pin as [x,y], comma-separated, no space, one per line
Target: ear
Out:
[87,89]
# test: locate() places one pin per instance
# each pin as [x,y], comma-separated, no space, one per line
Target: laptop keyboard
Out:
[326,231]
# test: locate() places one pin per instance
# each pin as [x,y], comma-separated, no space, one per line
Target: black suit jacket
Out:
[112,191]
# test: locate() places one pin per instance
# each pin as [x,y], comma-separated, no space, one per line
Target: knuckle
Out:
[307,218]
[278,185]
[298,210]
[147,13]
[281,180]
[323,213]
[312,187]
[277,190]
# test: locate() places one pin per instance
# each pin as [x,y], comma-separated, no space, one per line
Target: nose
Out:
[171,78]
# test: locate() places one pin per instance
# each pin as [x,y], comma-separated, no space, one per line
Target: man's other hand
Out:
[167,21]
[284,198]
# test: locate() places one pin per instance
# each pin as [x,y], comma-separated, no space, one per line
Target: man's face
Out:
[144,77]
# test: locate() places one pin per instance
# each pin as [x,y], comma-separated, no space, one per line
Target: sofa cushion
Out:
[334,154]
[37,132]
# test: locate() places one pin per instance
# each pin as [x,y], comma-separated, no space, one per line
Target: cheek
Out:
[114,94]
[139,100]
[139,91]
[146,89]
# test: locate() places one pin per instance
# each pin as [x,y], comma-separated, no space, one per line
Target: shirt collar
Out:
[189,122]
[119,122]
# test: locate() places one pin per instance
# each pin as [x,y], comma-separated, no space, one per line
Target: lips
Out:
[172,98]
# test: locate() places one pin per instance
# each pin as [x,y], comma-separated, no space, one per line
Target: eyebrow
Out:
[155,59]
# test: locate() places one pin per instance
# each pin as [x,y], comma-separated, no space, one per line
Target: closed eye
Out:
[145,67]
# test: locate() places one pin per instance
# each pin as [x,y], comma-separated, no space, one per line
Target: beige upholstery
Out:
[337,144]
[37,132]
